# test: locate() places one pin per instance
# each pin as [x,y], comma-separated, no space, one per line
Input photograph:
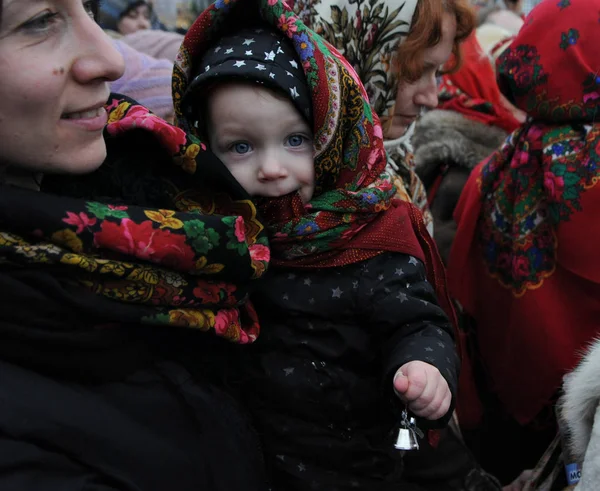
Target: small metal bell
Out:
[407,434]
[406,440]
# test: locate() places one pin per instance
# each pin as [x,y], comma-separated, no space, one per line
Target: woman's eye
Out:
[41,23]
[241,147]
[295,140]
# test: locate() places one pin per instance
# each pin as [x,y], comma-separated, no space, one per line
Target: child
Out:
[351,328]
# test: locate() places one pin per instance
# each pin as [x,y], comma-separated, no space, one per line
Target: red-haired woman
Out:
[397,47]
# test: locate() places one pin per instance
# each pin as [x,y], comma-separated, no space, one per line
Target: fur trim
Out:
[581,399]
[447,137]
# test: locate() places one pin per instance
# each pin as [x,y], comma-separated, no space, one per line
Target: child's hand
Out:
[422,387]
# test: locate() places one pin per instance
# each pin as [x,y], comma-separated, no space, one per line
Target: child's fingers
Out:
[416,380]
[427,396]
[400,383]
[441,405]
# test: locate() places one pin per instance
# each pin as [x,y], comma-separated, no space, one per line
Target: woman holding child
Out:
[116,292]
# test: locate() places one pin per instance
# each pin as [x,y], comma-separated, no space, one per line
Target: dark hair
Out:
[135,5]
[426,32]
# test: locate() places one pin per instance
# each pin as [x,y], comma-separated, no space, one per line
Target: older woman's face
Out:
[55,63]
[413,97]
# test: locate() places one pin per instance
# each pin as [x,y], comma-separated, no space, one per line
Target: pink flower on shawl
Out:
[139,117]
[520,267]
[373,157]
[227,324]
[555,185]
[259,252]
[81,221]
[378,131]
[240,230]
[287,25]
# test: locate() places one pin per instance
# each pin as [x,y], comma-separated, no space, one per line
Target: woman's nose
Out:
[427,96]
[97,57]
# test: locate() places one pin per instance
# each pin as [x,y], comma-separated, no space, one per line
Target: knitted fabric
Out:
[155,43]
[147,80]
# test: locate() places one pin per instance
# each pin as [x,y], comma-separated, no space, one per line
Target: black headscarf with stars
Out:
[261,56]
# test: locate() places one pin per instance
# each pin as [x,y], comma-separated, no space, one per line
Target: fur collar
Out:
[581,400]
[447,137]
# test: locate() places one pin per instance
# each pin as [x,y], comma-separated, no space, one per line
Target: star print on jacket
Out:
[331,341]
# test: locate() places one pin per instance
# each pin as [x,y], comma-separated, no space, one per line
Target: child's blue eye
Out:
[241,147]
[295,140]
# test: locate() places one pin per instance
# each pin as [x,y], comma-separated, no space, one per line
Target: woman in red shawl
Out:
[524,262]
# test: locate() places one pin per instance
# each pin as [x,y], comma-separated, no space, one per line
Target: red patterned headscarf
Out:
[524,262]
[473,92]
[353,215]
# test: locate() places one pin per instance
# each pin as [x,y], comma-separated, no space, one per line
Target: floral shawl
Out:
[367,34]
[127,244]
[524,262]
[353,215]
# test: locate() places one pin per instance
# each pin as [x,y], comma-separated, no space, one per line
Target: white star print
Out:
[301,467]
[311,326]
[307,281]
[399,272]
[355,284]
[425,302]
[207,68]
[217,49]
[407,286]
[248,42]
[271,75]
[337,293]
[402,297]
[380,277]
[279,51]
[285,296]
[270,55]
[289,74]
[291,276]
[249,52]
[239,63]
[260,67]
[293,63]
[428,348]
[413,260]
[229,51]
[441,345]
[294,93]
[311,301]
[288,371]
[281,457]
[258,31]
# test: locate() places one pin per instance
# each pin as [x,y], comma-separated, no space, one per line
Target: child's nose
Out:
[271,169]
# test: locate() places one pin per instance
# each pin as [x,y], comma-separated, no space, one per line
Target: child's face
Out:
[262,139]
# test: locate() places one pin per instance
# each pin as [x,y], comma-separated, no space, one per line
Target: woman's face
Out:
[56,63]
[423,93]
[136,19]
